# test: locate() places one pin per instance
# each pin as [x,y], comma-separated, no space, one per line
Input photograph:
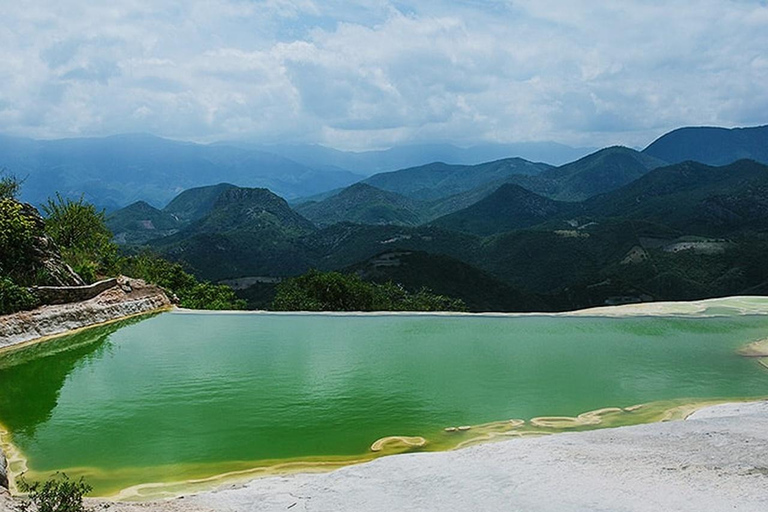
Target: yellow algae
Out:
[189,478]
[588,418]
[395,442]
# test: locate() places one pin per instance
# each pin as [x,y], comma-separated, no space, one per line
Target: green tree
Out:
[80,231]
[17,235]
[333,291]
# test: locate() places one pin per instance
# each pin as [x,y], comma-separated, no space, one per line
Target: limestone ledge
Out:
[130,297]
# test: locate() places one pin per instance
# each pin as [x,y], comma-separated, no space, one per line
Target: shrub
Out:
[80,231]
[17,236]
[58,494]
[10,185]
[15,298]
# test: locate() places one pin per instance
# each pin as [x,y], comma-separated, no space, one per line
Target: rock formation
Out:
[46,254]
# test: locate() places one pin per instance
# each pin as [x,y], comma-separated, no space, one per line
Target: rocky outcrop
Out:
[46,254]
[130,297]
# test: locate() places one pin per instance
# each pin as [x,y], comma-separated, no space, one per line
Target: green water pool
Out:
[183,396]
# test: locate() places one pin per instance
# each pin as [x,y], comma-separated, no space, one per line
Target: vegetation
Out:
[191,293]
[10,185]
[15,298]
[80,231]
[17,236]
[58,494]
[333,291]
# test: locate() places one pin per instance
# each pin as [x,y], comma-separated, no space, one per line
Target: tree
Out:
[17,237]
[333,291]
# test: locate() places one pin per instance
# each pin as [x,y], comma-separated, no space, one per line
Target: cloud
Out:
[375,73]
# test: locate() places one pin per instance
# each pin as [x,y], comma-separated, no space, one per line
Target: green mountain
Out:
[510,207]
[598,173]
[439,180]
[694,197]
[711,145]
[196,203]
[251,209]
[446,276]
[246,232]
[140,222]
[363,204]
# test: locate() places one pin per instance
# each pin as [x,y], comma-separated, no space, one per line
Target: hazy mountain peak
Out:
[712,145]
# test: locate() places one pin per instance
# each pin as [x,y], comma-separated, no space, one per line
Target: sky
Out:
[375,74]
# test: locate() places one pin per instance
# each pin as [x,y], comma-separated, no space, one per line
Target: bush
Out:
[15,298]
[333,291]
[17,236]
[10,185]
[80,231]
[58,494]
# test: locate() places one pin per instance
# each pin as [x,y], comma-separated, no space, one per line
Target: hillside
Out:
[600,172]
[446,276]
[195,203]
[683,231]
[711,145]
[694,197]
[140,222]
[251,209]
[363,204]
[510,207]
[439,180]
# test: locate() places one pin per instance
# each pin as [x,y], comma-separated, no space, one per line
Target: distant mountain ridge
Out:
[711,145]
[437,180]
[415,155]
[114,171]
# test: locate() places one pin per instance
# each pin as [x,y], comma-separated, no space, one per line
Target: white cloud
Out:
[374,73]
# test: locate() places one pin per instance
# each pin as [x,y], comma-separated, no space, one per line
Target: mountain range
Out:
[615,226]
[115,171]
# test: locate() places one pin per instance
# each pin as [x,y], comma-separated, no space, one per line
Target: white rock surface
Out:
[715,461]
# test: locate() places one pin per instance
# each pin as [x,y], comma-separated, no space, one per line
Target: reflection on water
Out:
[32,376]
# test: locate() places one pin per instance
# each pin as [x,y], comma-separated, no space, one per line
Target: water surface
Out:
[182,395]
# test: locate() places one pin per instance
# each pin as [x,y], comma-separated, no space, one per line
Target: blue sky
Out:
[372,74]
